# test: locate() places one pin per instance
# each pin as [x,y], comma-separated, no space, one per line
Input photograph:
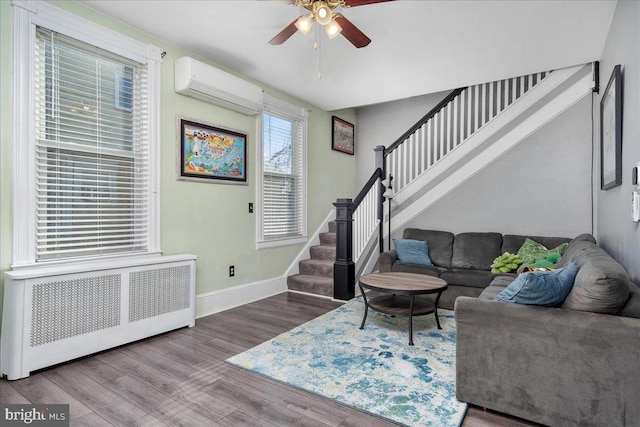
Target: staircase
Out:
[316,274]
[467,131]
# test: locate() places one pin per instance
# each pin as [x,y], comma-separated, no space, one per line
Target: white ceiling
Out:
[417,47]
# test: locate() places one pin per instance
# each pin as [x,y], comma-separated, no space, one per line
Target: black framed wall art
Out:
[611,132]
[208,153]
[342,136]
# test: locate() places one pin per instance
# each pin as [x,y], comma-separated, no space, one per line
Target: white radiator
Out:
[61,313]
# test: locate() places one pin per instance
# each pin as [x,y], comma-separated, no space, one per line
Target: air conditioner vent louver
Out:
[209,84]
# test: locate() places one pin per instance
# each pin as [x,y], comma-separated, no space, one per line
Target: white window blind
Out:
[283,176]
[92,157]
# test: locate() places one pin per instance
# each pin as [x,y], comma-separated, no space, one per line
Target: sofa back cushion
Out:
[632,307]
[440,244]
[602,284]
[476,250]
[513,242]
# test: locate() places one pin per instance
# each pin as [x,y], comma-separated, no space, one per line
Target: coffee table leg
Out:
[411,320]
[366,306]
[435,310]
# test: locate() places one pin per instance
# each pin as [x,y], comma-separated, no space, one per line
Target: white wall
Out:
[614,229]
[382,124]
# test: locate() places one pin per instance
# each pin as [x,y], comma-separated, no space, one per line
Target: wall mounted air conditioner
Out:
[209,84]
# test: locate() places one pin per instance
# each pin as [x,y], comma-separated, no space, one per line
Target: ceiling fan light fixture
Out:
[304,24]
[322,12]
[333,29]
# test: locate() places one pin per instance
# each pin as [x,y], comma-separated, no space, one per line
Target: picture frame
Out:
[342,136]
[611,132]
[211,153]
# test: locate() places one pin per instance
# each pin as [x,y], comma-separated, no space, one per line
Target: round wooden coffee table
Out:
[400,291]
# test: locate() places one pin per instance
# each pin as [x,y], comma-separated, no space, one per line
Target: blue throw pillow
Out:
[547,288]
[412,251]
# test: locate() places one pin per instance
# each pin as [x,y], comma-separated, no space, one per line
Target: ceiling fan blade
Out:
[354,3]
[284,35]
[352,33]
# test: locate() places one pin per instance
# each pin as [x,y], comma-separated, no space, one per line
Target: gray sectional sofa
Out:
[573,365]
[463,260]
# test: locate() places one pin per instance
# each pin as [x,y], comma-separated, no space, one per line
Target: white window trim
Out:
[277,105]
[28,14]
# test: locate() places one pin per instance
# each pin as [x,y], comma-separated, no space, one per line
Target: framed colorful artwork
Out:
[342,136]
[209,153]
[611,132]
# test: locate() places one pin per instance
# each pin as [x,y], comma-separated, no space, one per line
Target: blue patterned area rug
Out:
[374,369]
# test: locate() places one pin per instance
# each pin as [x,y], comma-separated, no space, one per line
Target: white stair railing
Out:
[450,124]
[365,221]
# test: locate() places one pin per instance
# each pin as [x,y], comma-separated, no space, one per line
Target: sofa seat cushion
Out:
[471,278]
[403,267]
[476,250]
[632,307]
[440,244]
[602,284]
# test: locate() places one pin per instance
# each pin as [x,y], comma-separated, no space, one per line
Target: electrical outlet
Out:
[250,207]
[232,271]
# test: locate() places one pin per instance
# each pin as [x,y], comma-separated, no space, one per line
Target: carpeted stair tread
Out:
[328,238]
[316,267]
[332,226]
[311,284]
[325,252]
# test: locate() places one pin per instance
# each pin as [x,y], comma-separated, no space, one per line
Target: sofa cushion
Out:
[632,307]
[412,251]
[546,288]
[576,248]
[440,244]
[602,284]
[476,250]
[401,267]
[497,285]
[471,278]
[531,251]
[513,242]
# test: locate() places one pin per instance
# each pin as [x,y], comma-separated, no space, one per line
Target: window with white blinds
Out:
[283,172]
[91,150]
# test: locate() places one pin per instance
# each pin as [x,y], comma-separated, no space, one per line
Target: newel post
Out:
[344,269]
[380,163]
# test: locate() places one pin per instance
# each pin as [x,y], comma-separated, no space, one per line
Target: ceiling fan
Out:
[322,12]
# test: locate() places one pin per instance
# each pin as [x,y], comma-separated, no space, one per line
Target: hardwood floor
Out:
[180,378]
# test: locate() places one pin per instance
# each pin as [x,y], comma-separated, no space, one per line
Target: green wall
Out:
[208,220]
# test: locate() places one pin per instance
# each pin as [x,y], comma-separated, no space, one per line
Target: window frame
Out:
[27,16]
[292,112]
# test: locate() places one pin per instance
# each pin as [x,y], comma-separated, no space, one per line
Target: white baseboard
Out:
[214,302]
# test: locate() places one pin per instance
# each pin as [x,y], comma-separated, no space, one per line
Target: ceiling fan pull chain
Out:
[318,47]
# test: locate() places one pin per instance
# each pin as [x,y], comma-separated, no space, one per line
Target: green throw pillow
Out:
[531,251]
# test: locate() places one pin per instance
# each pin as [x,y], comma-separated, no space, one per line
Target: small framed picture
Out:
[611,132]
[208,153]
[342,136]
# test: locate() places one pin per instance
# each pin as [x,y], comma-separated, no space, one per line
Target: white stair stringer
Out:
[526,127]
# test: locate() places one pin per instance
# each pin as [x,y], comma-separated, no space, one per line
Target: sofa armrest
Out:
[386,260]
[549,365]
